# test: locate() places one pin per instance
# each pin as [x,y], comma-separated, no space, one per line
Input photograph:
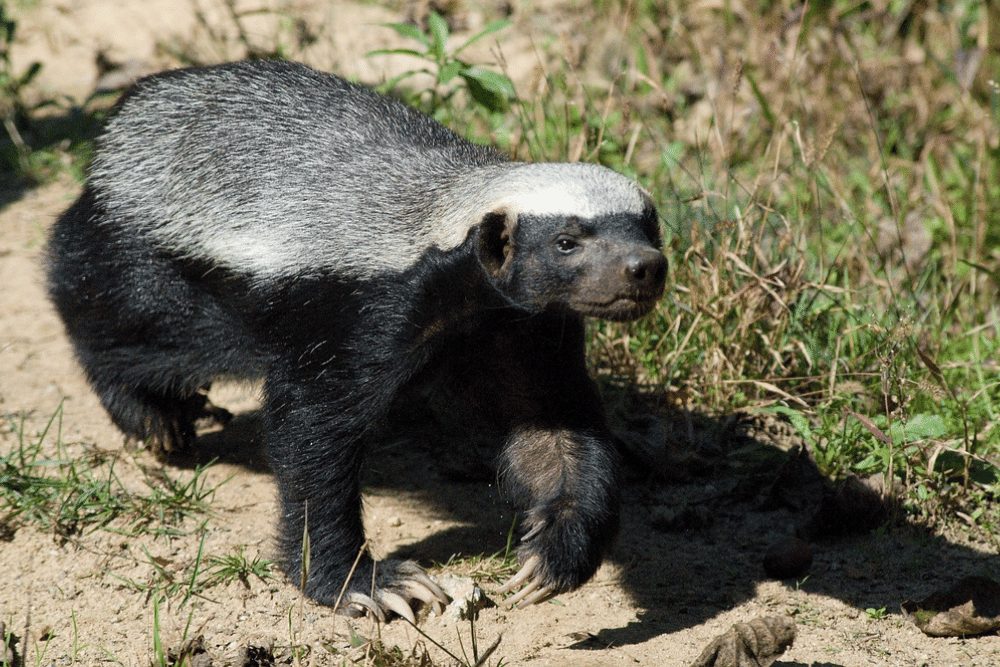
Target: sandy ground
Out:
[663,595]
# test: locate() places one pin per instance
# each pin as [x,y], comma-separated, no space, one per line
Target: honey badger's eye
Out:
[566,245]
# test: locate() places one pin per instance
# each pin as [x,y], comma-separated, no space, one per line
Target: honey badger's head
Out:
[574,237]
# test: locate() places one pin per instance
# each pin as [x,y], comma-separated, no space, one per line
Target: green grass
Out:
[494,568]
[39,136]
[238,567]
[179,580]
[876,614]
[69,493]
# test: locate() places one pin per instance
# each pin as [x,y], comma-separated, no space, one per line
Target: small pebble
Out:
[788,558]
[466,597]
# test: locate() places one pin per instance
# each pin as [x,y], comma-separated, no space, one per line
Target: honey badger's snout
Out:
[645,271]
[620,281]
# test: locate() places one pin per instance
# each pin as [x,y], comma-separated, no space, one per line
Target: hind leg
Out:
[166,420]
[151,391]
[149,339]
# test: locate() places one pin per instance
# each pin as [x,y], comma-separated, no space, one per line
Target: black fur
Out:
[499,315]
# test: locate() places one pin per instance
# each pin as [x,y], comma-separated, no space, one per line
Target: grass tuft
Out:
[69,494]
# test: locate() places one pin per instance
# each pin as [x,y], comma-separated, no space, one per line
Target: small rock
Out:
[192,653]
[788,558]
[395,522]
[467,598]
[201,660]
[853,506]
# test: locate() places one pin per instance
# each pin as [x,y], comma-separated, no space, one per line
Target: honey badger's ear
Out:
[496,241]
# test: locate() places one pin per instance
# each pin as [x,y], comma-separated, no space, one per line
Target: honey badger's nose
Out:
[645,269]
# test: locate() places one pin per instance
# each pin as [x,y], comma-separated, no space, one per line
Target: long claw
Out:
[397,604]
[542,594]
[422,578]
[420,592]
[534,531]
[366,603]
[523,593]
[424,594]
[350,611]
[522,575]
[398,584]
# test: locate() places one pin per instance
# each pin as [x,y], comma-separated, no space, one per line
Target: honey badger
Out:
[265,220]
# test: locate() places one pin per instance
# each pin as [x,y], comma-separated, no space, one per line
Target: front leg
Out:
[567,479]
[316,426]
[559,464]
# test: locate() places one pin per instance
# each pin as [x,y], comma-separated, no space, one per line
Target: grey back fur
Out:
[273,169]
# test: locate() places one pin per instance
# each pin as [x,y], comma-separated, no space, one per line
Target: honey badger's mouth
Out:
[619,307]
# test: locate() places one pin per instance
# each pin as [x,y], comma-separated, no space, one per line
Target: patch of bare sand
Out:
[66,37]
[143,36]
[659,600]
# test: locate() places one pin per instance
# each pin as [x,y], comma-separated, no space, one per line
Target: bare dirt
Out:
[688,564]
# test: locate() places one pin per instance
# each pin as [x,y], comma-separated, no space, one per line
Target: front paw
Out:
[396,585]
[557,554]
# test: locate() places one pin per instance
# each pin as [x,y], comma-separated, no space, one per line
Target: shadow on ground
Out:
[705,499]
[45,145]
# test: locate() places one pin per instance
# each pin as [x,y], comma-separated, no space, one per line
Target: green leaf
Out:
[439,32]
[355,639]
[918,427]
[396,52]
[673,153]
[870,462]
[450,71]
[396,80]
[409,31]
[799,421]
[765,106]
[492,27]
[488,88]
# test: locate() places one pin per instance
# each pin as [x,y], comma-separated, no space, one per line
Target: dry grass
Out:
[830,181]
